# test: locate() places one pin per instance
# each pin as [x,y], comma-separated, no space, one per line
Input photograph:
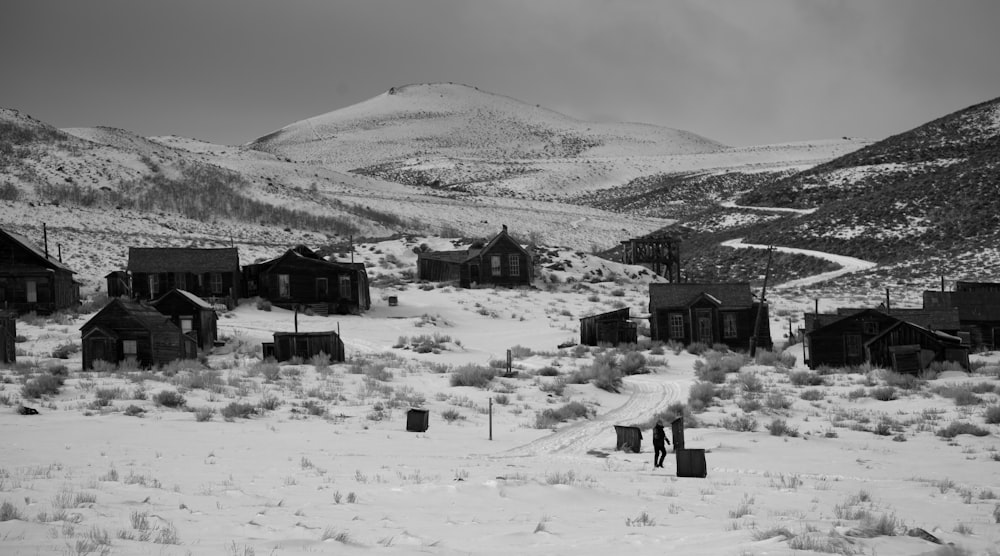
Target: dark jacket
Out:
[659,436]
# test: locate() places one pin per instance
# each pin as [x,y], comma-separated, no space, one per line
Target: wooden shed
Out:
[499,262]
[300,277]
[31,280]
[307,344]
[708,313]
[629,439]
[908,348]
[126,330]
[8,335]
[612,327]
[191,314]
[211,274]
[118,284]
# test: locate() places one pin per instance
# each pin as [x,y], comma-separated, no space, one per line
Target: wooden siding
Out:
[305,277]
[157,340]
[308,344]
[175,305]
[198,284]
[884,350]
[829,345]
[613,327]
[23,269]
[714,331]
[8,334]
[475,266]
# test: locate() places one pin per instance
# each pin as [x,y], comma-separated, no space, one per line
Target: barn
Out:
[302,278]
[191,314]
[909,348]
[126,330]
[31,280]
[500,262]
[709,313]
[612,327]
[211,274]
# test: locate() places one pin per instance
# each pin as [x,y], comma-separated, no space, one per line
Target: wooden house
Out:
[710,313]
[287,345]
[126,330]
[909,348]
[8,336]
[31,280]
[300,277]
[499,262]
[191,314]
[211,274]
[978,306]
[840,342]
[612,327]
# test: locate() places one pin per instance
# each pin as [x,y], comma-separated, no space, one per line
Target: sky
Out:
[740,72]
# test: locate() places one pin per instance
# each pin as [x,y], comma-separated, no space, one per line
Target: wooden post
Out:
[760,306]
[491,417]
[296,318]
[888,307]
[509,363]
[45,239]
[59,251]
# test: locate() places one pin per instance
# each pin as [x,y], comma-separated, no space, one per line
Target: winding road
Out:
[847,264]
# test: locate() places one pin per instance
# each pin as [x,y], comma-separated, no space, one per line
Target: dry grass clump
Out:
[961,427]
[551,417]
[603,373]
[169,398]
[715,365]
[472,375]
[806,378]
[42,385]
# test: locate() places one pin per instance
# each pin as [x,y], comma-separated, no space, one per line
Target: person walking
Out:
[659,449]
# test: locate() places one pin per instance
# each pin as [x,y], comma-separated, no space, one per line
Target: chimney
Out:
[505,228]
[45,239]
[59,250]
[942,282]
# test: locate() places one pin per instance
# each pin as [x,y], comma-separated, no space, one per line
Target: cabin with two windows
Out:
[129,331]
[31,280]
[302,278]
[500,262]
[211,274]
[723,313]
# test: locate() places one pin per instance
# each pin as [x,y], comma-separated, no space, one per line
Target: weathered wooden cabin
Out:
[287,345]
[8,336]
[211,274]
[840,342]
[978,305]
[300,277]
[612,327]
[191,314]
[127,330]
[31,280]
[710,313]
[909,348]
[499,262]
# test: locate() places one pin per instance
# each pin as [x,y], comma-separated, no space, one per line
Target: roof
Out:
[934,334]
[147,316]
[446,256]
[463,255]
[621,314]
[186,259]
[944,319]
[972,305]
[36,251]
[729,295]
[194,299]
[304,254]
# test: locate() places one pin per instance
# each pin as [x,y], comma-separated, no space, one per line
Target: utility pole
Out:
[760,306]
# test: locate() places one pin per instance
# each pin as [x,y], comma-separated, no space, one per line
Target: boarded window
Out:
[345,287]
[495,265]
[729,325]
[515,265]
[322,288]
[676,325]
[852,344]
[284,286]
[154,284]
[130,349]
[216,279]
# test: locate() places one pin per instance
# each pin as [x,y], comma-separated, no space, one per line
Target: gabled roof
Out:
[183,259]
[934,334]
[190,297]
[302,253]
[148,317]
[732,295]
[616,314]
[37,252]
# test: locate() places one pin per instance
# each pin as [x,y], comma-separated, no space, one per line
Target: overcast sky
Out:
[741,72]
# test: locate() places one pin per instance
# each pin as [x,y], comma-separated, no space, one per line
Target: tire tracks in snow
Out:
[648,395]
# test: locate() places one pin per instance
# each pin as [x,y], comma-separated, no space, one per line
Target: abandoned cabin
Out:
[500,262]
[211,274]
[612,327]
[8,337]
[32,280]
[708,313]
[191,314]
[304,345]
[302,278]
[129,331]
[853,336]
[978,305]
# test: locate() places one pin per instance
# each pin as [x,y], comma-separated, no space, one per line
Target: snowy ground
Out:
[326,465]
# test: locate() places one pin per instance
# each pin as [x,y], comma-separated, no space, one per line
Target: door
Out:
[322,289]
[473,274]
[704,318]
[32,291]
[102,349]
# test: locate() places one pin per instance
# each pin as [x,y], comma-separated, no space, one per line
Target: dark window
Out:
[676,325]
[870,328]
[852,344]
[515,265]
[216,279]
[495,265]
[322,288]
[729,325]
